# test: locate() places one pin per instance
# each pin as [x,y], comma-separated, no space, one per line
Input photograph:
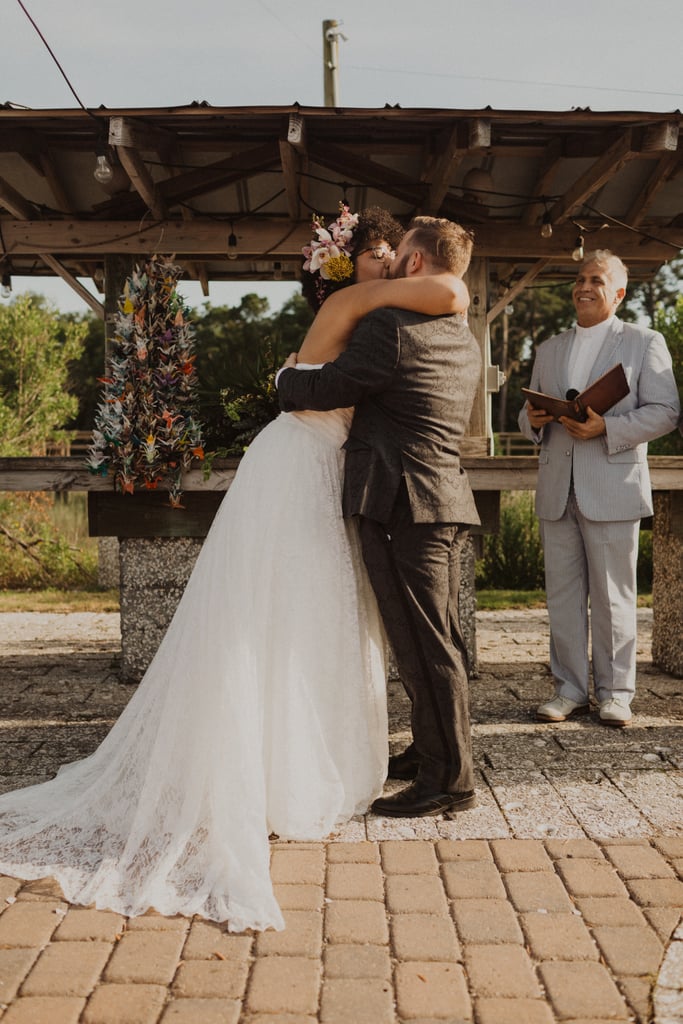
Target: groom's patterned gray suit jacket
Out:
[412,379]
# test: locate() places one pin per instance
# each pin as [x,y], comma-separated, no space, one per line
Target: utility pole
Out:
[331,36]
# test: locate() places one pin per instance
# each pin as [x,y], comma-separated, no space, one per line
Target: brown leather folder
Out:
[601,395]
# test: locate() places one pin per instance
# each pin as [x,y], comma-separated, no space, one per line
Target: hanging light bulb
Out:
[103,171]
[577,253]
[6,287]
[232,244]
[277,271]
[546,226]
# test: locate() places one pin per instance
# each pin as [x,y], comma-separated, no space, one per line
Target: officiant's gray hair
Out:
[617,270]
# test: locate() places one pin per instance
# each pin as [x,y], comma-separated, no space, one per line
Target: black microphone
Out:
[570,396]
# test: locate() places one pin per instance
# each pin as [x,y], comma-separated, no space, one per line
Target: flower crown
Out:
[329,253]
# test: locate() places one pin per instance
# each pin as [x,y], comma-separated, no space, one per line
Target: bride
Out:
[264,709]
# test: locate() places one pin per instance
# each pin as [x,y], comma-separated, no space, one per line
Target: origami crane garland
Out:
[146,431]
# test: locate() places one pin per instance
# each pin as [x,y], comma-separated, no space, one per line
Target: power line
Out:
[510,81]
[61,69]
[288,28]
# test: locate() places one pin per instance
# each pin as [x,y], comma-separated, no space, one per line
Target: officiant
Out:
[593,488]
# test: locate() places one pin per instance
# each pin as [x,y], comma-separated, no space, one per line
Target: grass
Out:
[59,600]
[495,600]
[108,600]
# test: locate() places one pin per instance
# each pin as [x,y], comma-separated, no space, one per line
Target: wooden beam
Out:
[142,180]
[479,133]
[441,177]
[278,238]
[55,182]
[224,172]
[296,132]
[515,289]
[14,202]
[74,283]
[611,161]
[662,137]
[290,161]
[665,167]
[486,473]
[386,179]
[546,173]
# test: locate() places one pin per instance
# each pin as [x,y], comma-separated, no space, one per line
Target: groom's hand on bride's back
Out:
[289,363]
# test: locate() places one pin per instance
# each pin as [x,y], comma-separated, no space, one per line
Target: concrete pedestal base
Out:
[154,573]
[667,583]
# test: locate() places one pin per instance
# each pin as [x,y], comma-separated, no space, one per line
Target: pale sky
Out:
[613,55]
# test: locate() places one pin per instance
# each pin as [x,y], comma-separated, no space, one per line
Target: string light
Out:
[232,244]
[546,226]
[578,252]
[103,170]
[6,287]
[277,271]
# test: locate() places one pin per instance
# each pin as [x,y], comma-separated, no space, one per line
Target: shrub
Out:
[42,544]
[513,557]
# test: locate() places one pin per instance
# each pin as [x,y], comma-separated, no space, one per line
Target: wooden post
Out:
[476,280]
[116,270]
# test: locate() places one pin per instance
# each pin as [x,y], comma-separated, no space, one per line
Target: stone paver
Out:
[557,899]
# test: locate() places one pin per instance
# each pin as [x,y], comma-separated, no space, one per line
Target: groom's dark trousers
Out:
[412,380]
[414,569]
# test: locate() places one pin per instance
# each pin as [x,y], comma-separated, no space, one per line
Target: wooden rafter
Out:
[14,202]
[515,289]
[611,161]
[386,179]
[445,167]
[664,168]
[546,173]
[23,210]
[62,272]
[291,168]
[218,175]
[141,179]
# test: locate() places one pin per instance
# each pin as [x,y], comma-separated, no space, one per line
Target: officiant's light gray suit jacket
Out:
[412,379]
[610,473]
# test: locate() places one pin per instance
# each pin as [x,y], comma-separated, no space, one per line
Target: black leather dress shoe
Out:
[405,765]
[417,802]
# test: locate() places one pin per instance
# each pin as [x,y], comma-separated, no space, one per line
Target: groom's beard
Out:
[398,267]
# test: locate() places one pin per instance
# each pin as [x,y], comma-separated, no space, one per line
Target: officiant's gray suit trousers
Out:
[579,553]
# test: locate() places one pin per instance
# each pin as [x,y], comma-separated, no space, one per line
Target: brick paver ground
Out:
[558,898]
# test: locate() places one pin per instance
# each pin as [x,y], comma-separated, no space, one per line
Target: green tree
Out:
[35,350]
[84,371]
[238,350]
[670,323]
[645,299]
[537,313]
[36,347]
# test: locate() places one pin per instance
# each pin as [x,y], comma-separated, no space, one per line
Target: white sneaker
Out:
[615,712]
[559,709]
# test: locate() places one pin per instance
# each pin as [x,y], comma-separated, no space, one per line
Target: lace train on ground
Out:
[264,710]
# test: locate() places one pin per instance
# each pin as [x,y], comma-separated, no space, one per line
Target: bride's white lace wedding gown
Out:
[263,711]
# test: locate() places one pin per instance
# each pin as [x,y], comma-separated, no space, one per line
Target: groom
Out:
[412,379]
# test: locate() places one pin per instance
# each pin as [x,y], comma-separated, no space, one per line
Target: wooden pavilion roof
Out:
[187,178]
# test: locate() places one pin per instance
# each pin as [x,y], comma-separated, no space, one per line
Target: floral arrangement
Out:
[328,254]
[146,431]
